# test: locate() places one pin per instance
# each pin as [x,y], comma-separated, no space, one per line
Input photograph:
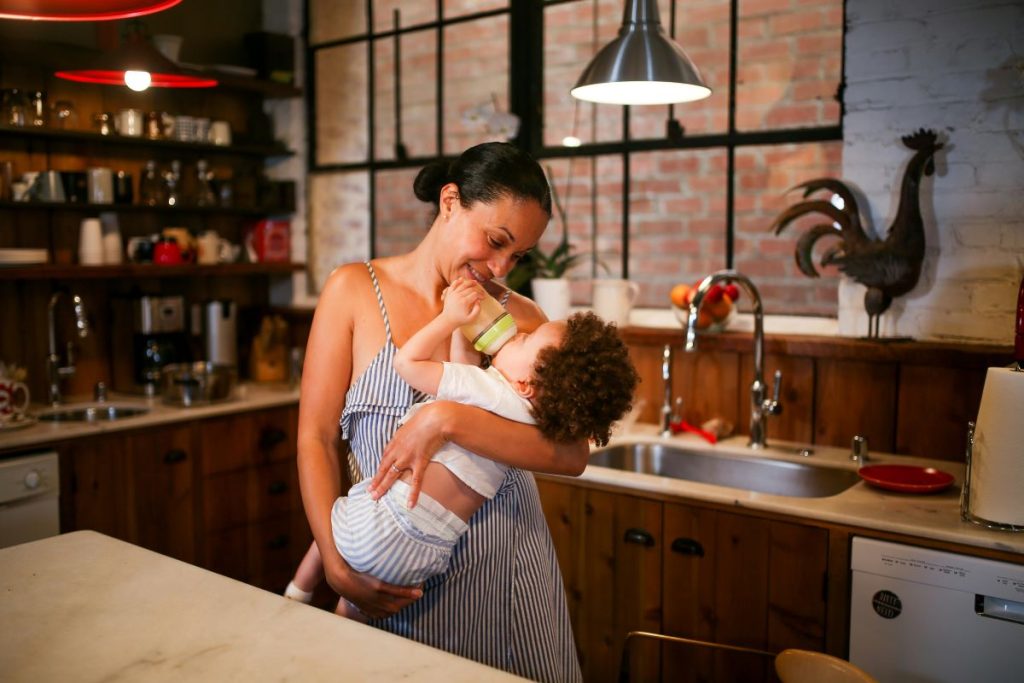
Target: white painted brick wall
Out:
[956,66]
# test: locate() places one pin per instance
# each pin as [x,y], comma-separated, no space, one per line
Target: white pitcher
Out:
[613,300]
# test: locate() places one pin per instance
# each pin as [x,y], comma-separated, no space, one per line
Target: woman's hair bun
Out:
[430,180]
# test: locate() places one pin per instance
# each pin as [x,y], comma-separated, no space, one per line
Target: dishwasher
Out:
[921,615]
[29,498]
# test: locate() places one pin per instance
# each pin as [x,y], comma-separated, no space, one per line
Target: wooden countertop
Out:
[87,607]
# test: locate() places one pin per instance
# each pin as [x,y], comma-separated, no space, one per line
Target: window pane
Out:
[342,128]
[334,19]
[339,222]
[763,174]
[419,77]
[402,220]
[702,30]
[413,12]
[677,219]
[457,8]
[570,42]
[789,65]
[475,79]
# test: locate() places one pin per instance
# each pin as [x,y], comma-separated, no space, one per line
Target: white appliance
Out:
[29,493]
[921,615]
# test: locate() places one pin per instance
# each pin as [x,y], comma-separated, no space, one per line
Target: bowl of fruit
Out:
[716,311]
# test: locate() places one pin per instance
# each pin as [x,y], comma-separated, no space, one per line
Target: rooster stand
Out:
[888,268]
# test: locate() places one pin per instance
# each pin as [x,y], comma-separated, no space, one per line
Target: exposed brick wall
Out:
[955,66]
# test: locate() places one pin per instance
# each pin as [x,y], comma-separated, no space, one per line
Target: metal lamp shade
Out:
[137,55]
[641,66]
[81,10]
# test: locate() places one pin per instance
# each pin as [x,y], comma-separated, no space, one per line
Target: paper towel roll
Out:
[997,461]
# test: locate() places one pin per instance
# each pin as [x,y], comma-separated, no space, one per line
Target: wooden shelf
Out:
[144,270]
[142,208]
[56,135]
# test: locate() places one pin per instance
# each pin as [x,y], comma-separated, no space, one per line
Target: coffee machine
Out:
[159,338]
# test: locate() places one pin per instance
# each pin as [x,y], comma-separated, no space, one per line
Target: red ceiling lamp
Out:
[81,10]
[138,65]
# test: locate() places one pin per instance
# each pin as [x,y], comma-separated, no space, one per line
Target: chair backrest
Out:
[804,666]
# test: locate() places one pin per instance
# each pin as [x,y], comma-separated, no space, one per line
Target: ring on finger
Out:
[395,469]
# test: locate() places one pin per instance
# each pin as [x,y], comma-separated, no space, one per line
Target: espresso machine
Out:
[159,338]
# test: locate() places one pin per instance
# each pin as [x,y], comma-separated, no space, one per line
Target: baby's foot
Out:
[293,592]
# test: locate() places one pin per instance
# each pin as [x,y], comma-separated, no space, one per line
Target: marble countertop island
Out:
[87,607]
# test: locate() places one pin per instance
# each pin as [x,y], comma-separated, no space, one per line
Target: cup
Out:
[112,245]
[76,188]
[213,248]
[100,184]
[19,191]
[157,125]
[185,128]
[123,188]
[613,300]
[11,406]
[140,249]
[220,133]
[90,242]
[129,122]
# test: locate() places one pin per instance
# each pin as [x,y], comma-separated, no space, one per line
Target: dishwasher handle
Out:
[999,608]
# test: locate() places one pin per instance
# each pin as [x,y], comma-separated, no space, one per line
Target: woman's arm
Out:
[325,380]
[506,441]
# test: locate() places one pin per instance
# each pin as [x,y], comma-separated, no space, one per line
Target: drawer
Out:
[250,495]
[265,554]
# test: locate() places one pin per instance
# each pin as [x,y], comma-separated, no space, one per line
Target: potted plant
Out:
[544,273]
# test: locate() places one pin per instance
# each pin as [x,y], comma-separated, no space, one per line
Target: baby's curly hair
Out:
[585,383]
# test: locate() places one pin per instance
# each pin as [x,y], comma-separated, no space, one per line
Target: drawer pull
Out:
[278,542]
[688,546]
[175,455]
[270,437]
[639,537]
[277,488]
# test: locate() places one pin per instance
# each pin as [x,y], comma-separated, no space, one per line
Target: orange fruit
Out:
[680,295]
[719,308]
[704,318]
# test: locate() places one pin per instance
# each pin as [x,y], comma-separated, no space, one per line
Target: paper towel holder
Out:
[965,493]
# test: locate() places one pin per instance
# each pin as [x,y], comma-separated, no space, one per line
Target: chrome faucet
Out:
[666,378]
[55,370]
[760,406]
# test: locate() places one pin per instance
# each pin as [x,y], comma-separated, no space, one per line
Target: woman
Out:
[501,602]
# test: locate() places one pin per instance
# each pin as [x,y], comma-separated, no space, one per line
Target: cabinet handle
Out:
[277,488]
[688,546]
[175,455]
[270,437]
[278,542]
[638,536]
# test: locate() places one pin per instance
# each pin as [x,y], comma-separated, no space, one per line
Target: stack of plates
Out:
[22,257]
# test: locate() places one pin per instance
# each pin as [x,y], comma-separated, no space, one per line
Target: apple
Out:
[732,291]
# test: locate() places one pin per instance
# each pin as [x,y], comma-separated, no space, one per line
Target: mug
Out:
[90,242]
[213,248]
[100,184]
[166,252]
[140,249]
[11,407]
[220,133]
[49,187]
[129,122]
[76,187]
[613,299]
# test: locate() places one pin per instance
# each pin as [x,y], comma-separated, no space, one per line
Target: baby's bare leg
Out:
[307,577]
[349,611]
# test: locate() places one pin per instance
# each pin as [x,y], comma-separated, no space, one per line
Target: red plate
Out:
[906,478]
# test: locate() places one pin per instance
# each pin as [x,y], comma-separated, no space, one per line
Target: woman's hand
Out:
[411,448]
[374,598]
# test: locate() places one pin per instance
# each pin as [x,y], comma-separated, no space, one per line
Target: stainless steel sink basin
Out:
[96,413]
[778,477]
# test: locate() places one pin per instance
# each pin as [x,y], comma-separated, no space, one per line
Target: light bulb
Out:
[137,80]
[571,141]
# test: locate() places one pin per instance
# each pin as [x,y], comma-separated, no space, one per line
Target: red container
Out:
[269,241]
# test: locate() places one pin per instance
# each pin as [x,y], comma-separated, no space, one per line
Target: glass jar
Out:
[37,114]
[151,186]
[14,108]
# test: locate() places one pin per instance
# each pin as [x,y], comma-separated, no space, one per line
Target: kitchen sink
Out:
[94,413]
[778,477]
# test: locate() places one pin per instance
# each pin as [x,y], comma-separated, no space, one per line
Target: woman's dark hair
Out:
[485,173]
[585,383]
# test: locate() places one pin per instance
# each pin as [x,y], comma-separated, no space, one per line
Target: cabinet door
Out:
[97,485]
[739,580]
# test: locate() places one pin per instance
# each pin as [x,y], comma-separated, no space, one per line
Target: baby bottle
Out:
[491,328]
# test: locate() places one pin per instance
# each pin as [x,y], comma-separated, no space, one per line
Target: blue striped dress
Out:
[501,602]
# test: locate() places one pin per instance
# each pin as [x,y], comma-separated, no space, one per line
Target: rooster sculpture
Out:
[889,267]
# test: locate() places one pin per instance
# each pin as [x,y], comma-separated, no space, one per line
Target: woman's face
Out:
[486,240]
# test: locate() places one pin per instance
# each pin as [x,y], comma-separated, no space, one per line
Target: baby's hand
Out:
[462,301]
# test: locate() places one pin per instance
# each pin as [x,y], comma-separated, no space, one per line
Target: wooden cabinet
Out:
[631,563]
[221,493]
[136,486]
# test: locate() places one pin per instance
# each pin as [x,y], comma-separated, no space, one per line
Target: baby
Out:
[571,378]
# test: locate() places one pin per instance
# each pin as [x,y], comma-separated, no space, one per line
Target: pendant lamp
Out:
[138,65]
[81,10]
[641,66]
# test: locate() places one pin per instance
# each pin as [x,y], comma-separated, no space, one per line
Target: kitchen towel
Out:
[997,461]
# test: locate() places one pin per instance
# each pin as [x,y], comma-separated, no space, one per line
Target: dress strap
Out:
[380,302]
